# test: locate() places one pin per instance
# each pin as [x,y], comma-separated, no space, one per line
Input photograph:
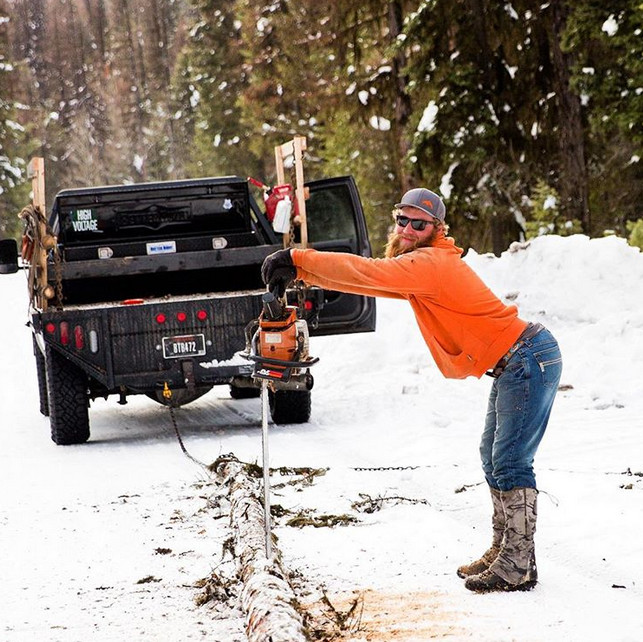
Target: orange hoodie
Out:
[467,328]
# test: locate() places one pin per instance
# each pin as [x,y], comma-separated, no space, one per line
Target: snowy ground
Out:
[107,541]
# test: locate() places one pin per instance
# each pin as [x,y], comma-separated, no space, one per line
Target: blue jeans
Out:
[519,407]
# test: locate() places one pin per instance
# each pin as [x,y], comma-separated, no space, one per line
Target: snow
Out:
[82,525]
[237,359]
[446,187]
[610,26]
[139,163]
[427,122]
[380,123]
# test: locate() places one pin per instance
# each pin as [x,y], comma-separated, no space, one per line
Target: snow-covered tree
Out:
[13,187]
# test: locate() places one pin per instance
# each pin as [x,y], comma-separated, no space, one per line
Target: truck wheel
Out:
[238,392]
[68,400]
[41,371]
[289,406]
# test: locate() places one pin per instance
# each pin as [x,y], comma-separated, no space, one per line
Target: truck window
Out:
[330,214]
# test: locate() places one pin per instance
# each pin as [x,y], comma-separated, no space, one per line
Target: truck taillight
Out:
[181,316]
[64,333]
[93,341]
[201,315]
[50,328]
[79,338]
[308,305]
[160,318]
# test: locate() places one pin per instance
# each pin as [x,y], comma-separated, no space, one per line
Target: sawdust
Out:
[397,617]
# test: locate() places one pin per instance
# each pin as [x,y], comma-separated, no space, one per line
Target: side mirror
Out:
[8,256]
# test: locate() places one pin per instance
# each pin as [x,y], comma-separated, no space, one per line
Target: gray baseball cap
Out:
[425,200]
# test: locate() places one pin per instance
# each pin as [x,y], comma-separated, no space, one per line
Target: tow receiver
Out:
[280,352]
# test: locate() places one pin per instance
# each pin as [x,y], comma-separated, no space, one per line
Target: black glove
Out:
[278,271]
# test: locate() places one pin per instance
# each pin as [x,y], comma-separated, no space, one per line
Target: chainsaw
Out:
[279,349]
[280,346]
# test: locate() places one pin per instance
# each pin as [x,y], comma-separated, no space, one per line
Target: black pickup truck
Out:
[153,285]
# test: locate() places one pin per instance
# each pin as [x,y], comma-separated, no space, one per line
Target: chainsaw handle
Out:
[273,308]
[283,362]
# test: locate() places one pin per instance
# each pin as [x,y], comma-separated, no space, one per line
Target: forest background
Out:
[523,115]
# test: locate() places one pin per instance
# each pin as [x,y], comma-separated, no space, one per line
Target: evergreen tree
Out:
[484,72]
[329,71]
[211,82]
[366,130]
[608,39]
[521,115]
[13,186]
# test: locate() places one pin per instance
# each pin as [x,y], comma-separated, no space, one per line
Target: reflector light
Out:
[160,318]
[201,315]
[79,338]
[181,316]
[50,328]
[133,302]
[64,333]
[308,305]
[93,341]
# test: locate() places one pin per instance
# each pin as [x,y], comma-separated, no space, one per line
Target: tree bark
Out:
[267,598]
[573,187]
[402,98]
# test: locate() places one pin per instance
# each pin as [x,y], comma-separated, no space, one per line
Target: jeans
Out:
[520,403]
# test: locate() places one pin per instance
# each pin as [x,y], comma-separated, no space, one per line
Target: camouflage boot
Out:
[515,567]
[498,526]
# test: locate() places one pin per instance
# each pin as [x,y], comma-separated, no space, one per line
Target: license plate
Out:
[191,345]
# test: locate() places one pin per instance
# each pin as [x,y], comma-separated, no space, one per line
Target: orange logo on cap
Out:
[429,203]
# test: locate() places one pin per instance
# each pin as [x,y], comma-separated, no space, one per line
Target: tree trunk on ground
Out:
[267,598]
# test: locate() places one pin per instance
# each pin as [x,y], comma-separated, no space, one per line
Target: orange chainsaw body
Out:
[278,339]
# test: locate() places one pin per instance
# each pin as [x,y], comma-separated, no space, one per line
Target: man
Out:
[469,332]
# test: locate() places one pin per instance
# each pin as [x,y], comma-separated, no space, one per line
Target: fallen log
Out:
[267,599]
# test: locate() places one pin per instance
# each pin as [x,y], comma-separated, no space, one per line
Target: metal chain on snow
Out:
[167,394]
[362,469]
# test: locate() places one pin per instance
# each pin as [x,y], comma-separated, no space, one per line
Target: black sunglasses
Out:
[417,224]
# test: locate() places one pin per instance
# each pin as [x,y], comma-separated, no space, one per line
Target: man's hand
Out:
[278,271]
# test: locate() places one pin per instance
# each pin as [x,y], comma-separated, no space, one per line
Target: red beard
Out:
[397,244]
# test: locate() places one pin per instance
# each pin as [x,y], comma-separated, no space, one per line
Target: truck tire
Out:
[289,406]
[68,400]
[241,392]
[41,372]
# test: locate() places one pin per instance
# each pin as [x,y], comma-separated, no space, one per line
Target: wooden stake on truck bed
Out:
[38,271]
[295,148]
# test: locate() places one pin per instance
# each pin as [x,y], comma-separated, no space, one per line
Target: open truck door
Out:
[336,223]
